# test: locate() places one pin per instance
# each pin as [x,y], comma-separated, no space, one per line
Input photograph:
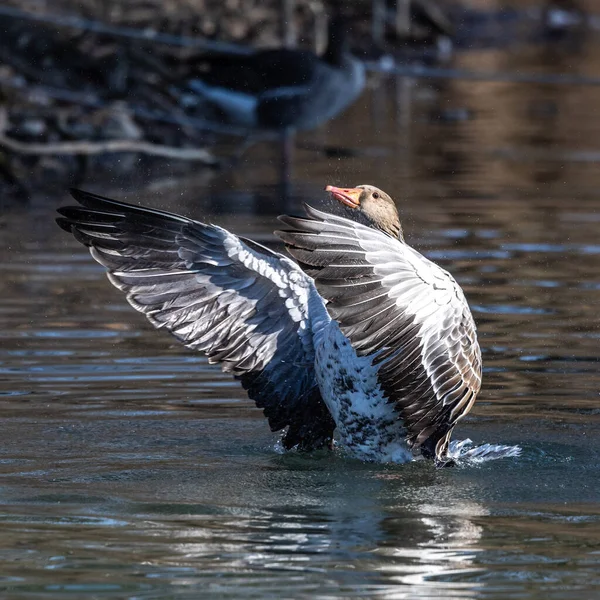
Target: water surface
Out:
[129,468]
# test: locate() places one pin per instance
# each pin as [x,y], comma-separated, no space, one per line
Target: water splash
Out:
[463,452]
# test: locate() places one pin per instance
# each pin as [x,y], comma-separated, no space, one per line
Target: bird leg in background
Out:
[287,156]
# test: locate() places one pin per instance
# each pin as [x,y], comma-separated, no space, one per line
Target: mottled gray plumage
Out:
[403,310]
[240,303]
[399,370]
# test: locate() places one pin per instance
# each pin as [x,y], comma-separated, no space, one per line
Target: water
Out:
[129,468]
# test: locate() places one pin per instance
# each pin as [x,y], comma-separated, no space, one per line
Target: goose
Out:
[281,89]
[364,335]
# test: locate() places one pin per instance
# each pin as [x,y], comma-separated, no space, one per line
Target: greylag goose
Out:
[376,340]
[404,312]
[283,88]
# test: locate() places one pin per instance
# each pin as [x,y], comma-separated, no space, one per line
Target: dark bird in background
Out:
[282,88]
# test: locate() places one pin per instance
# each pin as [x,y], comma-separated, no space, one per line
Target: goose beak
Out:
[348,196]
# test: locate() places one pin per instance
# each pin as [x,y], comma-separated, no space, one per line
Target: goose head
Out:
[374,206]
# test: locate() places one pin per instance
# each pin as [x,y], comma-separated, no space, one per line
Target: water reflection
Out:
[129,467]
[354,525]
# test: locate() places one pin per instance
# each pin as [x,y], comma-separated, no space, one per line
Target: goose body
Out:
[371,338]
[283,88]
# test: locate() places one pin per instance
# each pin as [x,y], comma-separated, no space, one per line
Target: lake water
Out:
[129,468]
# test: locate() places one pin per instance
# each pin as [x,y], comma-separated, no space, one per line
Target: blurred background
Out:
[129,467]
[123,93]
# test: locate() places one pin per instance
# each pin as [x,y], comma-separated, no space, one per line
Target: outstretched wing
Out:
[405,311]
[241,304]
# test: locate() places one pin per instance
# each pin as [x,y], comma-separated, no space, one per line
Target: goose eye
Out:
[375,195]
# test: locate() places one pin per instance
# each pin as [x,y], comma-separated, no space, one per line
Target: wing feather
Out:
[401,309]
[241,304]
